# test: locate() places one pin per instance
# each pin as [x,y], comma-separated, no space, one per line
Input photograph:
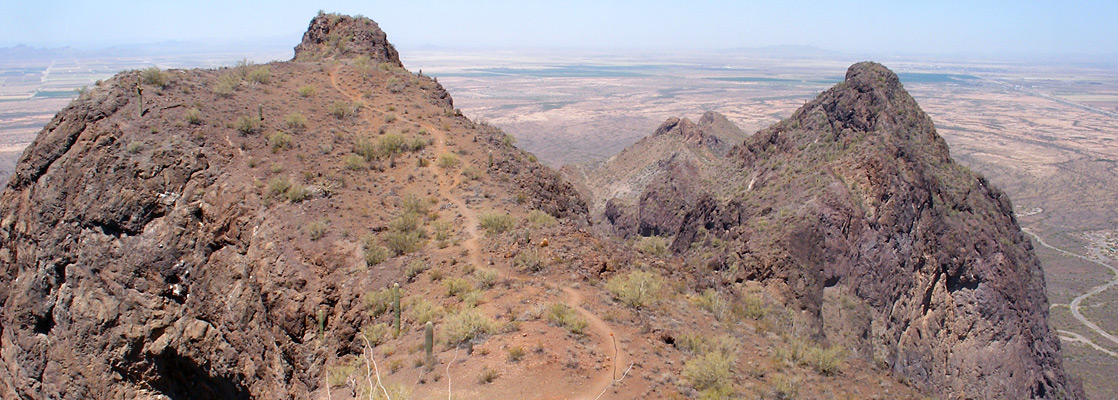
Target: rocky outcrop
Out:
[334,36]
[857,196]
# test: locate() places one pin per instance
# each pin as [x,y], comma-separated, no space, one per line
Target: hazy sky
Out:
[1016,27]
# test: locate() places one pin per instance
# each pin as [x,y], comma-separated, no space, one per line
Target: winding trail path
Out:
[1074,306]
[599,384]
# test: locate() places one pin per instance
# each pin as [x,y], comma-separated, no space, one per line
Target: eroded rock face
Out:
[856,194]
[332,36]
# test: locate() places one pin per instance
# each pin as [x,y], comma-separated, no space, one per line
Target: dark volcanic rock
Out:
[333,36]
[856,195]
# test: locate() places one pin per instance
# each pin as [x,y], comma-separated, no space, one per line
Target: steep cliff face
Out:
[855,200]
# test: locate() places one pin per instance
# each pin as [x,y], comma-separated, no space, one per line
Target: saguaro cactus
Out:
[140,96]
[429,340]
[396,306]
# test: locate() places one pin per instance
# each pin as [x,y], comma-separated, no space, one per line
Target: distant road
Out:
[1074,306]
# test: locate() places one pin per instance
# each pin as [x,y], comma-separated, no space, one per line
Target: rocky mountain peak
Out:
[706,133]
[334,36]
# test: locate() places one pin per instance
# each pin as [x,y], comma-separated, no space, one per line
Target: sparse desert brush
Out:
[562,315]
[541,219]
[412,204]
[193,116]
[316,230]
[279,141]
[295,121]
[496,223]
[246,124]
[375,332]
[407,222]
[467,324]
[709,371]
[226,84]
[396,85]
[296,193]
[374,252]
[653,245]
[423,311]
[344,109]
[456,286]
[354,162]
[486,277]
[749,306]
[278,185]
[637,289]
[134,147]
[260,75]
[389,118]
[516,353]
[827,361]
[415,268]
[378,302]
[448,161]
[711,301]
[471,173]
[306,91]
[400,242]
[696,343]
[488,375]
[154,76]
[529,261]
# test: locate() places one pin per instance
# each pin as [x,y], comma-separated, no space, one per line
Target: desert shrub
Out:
[226,84]
[306,91]
[193,116]
[442,230]
[528,261]
[344,109]
[467,324]
[653,245]
[711,301]
[488,375]
[246,124]
[392,144]
[396,85]
[456,286]
[375,333]
[154,76]
[486,277]
[448,161]
[296,193]
[389,118]
[496,223]
[422,311]
[296,122]
[637,289]
[260,75]
[749,306]
[354,162]
[378,302]
[374,252]
[471,173]
[400,243]
[700,344]
[316,230]
[278,185]
[279,141]
[541,219]
[415,268]
[708,371]
[406,222]
[562,315]
[516,353]
[367,148]
[827,361]
[134,147]
[412,204]
[783,387]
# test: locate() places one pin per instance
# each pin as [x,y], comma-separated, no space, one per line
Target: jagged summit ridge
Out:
[333,36]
